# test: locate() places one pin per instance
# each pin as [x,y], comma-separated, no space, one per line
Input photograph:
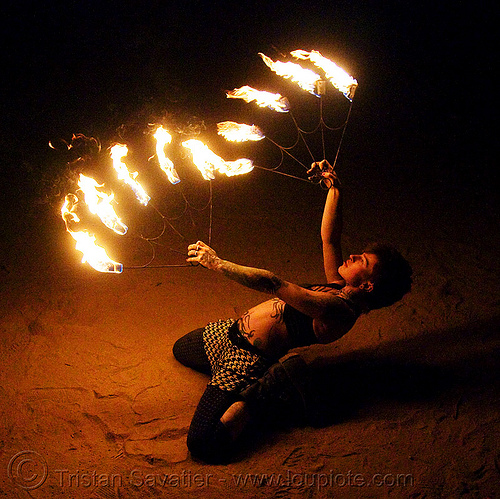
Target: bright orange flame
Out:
[205,160]
[335,74]
[305,78]
[118,152]
[208,162]
[99,204]
[276,102]
[95,255]
[238,167]
[239,132]
[162,139]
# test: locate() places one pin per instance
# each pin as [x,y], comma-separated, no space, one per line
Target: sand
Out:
[93,404]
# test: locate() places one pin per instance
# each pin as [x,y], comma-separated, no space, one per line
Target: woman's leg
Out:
[208,438]
[190,351]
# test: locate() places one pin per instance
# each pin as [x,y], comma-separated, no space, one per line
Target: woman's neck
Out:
[356,296]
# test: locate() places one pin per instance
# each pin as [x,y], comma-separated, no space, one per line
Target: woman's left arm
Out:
[331,223]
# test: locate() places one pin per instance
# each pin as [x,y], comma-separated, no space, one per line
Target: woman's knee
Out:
[188,349]
[214,445]
[178,348]
[208,438]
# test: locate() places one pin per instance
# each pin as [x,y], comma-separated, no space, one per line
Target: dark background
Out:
[421,116]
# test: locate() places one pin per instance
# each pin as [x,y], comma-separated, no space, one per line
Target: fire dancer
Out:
[247,359]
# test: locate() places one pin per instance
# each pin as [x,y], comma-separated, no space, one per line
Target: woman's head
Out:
[359,271]
[391,278]
[381,272]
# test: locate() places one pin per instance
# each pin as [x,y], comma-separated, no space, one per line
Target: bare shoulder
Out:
[338,282]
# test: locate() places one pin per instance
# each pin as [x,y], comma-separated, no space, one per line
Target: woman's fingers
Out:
[201,253]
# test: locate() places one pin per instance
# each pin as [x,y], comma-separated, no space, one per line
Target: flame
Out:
[95,255]
[239,132]
[99,204]
[162,139]
[305,78]
[205,160]
[68,209]
[276,102]
[335,74]
[238,167]
[119,151]
[208,162]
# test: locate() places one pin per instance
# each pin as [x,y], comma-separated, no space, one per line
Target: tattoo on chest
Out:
[244,325]
[278,308]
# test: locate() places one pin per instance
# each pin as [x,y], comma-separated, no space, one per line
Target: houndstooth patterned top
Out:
[233,368]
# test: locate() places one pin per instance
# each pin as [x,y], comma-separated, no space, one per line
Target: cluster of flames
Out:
[306,79]
[100,203]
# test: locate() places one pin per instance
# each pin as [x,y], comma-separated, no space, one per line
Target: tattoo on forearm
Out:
[260,280]
[268,284]
[278,308]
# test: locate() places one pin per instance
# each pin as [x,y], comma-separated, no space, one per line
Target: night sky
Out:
[424,72]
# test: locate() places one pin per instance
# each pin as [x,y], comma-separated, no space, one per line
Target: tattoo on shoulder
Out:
[325,289]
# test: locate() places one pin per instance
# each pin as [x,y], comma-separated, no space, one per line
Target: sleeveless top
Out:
[300,326]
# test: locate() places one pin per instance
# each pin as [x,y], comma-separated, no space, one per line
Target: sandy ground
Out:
[93,404]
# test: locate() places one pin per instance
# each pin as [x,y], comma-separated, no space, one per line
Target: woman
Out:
[238,352]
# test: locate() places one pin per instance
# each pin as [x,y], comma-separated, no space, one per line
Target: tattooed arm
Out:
[258,279]
[324,307]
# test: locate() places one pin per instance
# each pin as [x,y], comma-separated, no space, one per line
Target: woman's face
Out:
[359,269]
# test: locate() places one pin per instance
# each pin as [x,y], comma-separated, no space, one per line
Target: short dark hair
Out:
[392,278]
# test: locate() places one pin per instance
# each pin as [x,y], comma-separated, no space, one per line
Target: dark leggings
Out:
[208,439]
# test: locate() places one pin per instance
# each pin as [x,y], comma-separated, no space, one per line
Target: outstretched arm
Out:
[331,224]
[324,307]
[257,279]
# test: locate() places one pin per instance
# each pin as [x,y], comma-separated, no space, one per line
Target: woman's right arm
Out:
[325,307]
